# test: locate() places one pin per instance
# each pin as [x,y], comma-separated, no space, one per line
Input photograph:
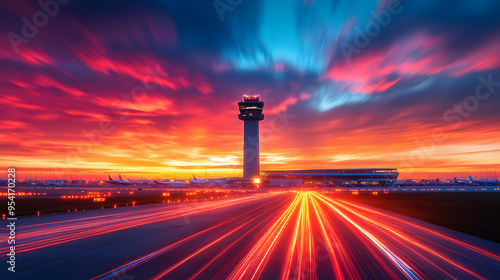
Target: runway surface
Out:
[279,235]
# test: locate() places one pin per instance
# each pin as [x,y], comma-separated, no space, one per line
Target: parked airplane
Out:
[171,184]
[142,181]
[196,181]
[460,182]
[54,183]
[119,182]
[209,181]
[483,182]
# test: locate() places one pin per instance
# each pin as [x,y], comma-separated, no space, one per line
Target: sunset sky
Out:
[134,87]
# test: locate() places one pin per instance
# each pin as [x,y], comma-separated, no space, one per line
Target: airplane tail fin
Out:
[120,176]
[194,177]
[110,178]
[470,177]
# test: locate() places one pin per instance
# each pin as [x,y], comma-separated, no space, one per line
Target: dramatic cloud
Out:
[97,86]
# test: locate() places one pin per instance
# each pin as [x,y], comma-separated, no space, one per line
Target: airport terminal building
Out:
[332,177]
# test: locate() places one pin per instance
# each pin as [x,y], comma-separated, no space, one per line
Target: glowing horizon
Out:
[146,92]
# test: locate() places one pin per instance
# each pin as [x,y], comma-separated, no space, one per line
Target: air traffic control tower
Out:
[251,114]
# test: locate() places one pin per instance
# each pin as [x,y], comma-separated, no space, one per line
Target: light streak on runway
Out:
[300,253]
[50,234]
[285,235]
[250,267]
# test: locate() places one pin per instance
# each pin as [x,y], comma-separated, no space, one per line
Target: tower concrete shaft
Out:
[251,114]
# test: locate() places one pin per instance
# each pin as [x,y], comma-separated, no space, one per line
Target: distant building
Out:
[332,177]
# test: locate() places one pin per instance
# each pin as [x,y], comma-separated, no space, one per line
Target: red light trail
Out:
[284,235]
[49,234]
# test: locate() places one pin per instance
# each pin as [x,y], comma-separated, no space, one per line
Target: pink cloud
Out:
[414,56]
[290,100]
[304,96]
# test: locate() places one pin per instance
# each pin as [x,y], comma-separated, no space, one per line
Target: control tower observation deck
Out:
[251,113]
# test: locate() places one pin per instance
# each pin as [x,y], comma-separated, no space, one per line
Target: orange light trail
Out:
[283,235]
[165,272]
[433,232]
[136,262]
[311,220]
[401,236]
[301,253]
[253,263]
[39,236]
